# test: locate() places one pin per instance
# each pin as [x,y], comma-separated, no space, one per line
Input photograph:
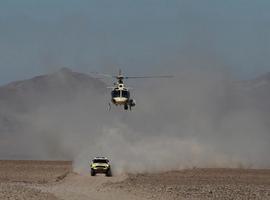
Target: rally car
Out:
[100,165]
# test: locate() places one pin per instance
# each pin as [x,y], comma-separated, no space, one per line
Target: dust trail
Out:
[198,120]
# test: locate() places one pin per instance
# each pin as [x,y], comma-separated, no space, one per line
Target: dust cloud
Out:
[193,120]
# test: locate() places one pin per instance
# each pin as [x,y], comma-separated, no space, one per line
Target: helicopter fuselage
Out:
[119,100]
[121,96]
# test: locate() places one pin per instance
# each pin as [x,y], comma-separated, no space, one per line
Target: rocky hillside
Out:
[54,89]
[58,115]
[57,87]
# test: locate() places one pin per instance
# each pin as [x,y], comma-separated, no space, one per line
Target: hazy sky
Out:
[40,36]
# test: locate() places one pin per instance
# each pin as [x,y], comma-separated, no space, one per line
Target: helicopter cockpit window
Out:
[115,93]
[125,94]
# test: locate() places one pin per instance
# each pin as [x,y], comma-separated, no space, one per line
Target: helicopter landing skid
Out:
[126,106]
[109,107]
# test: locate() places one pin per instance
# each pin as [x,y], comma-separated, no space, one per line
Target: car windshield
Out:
[100,161]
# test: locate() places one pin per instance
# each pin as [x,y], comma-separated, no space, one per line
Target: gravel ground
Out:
[40,180]
[201,184]
[33,171]
[16,191]
[18,177]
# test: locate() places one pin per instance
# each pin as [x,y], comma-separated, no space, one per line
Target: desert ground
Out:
[55,180]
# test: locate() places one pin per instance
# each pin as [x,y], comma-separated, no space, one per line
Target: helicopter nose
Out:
[120,100]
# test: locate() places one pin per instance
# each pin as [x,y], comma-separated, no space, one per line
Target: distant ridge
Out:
[61,85]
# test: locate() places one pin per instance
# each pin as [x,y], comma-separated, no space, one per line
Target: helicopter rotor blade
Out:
[129,77]
[104,75]
[141,77]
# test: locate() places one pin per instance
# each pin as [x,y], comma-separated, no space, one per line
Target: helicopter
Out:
[120,94]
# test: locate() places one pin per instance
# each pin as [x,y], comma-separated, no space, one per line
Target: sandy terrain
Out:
[18,177]
[54,180]
[33,171]
[197,184]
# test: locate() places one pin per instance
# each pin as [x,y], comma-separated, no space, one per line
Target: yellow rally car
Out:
[100,165]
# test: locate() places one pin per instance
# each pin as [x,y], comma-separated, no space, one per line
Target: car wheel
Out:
[109,173]
[93,173]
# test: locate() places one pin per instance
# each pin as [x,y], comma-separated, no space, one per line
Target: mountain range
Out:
[63,86]
[51,112]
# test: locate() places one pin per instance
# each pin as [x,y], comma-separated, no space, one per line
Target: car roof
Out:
[100,158]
